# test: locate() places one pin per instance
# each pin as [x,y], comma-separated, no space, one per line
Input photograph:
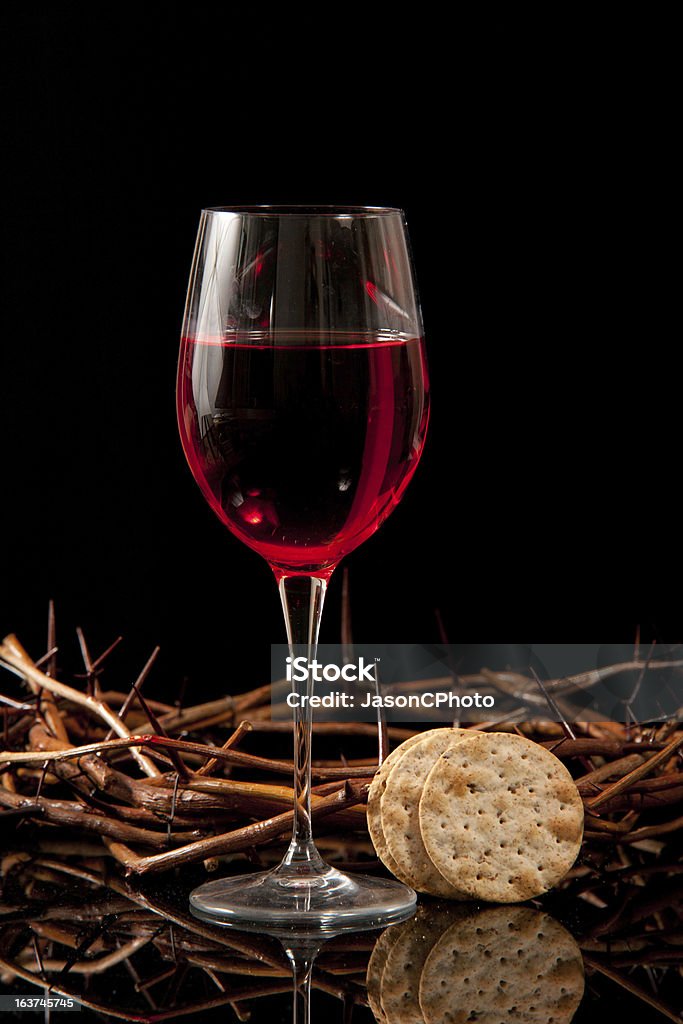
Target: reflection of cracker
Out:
[503,964]
[374,811]
[376,963]
[400,813]
[400,984]
[501,817]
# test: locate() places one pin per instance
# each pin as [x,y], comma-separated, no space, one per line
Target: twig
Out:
[163,742]
[633,776]
[67,812]
[13,656]
[249,835]
[242,729]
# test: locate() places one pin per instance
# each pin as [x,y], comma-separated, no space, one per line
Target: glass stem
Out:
[302,601]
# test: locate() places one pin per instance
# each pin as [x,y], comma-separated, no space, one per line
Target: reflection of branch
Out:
[631,987]
[97,965]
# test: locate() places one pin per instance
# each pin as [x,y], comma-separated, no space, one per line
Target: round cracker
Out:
[375,793]
[400,981]
[400,805]
[376,964]
[501,817]
[507,963]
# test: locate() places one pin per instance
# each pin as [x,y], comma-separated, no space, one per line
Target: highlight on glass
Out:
[302,407]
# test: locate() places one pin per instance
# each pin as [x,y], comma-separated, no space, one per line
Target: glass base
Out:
[283,900]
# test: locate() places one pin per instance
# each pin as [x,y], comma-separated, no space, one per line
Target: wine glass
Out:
[302,407]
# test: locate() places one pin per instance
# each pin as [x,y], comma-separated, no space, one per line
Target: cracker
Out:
[400,981]
[501,817]
[375,793]
[376,964]
[503,964]
[400,804]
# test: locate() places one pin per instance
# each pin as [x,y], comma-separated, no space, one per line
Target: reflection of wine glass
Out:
[302,406]
[301,947]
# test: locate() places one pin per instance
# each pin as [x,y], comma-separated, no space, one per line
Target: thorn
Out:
[49,655]
[85,653]
[173,806]
[39,959]
[42,779]
[134,690]
[51,640]
[550,701]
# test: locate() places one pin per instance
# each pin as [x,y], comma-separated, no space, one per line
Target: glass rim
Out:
[305,210]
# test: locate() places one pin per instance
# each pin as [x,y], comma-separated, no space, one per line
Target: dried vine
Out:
[146,787]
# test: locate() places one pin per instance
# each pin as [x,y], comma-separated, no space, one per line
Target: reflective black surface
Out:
[136,953]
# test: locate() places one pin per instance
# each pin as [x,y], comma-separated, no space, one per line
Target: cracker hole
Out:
[563,990]
[519,852]
[525,757]
[531,789]
[479,877]
[502,845]
[443,824]
[539,867]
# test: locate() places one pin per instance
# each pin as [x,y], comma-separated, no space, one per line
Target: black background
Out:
[531,160]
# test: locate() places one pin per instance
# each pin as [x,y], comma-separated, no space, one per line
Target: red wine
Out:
[303,445]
